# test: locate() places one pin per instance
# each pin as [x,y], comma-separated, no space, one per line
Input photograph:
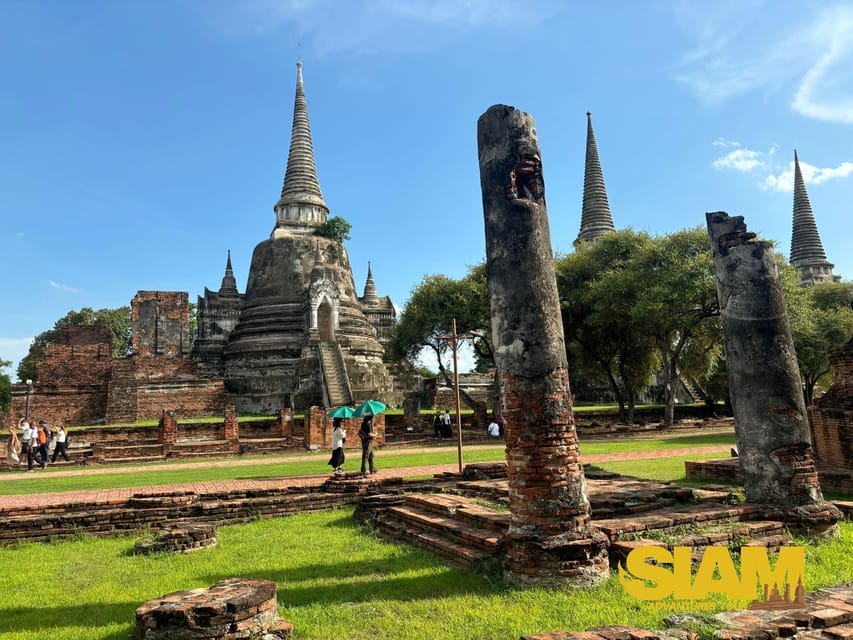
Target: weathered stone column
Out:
[549,540]
[772,426]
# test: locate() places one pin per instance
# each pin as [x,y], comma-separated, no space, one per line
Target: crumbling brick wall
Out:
[832,415]
[160,323]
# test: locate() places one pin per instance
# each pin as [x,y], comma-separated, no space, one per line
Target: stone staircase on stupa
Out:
[335,374]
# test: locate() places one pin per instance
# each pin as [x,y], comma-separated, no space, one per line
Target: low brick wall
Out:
[141,512]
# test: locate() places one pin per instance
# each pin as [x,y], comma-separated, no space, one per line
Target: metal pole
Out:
[455,345]
[27,411]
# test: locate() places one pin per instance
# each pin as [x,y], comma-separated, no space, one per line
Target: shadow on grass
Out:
[371,580]
[46,620]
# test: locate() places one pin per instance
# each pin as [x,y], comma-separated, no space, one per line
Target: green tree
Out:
[603,339]
[675,303]
[117,320]
[335,228]
[821,320]
[5,388]
[428,315]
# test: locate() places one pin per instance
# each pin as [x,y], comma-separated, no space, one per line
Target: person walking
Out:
[61,447]
[436,424]
[339,437]
[29,442]
[43,436]
[446,429]
[13,447]
[365,432]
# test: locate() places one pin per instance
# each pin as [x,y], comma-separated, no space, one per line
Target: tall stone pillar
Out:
[549,540]
[772,426]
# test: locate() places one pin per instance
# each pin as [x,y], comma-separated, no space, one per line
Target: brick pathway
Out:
[116,496]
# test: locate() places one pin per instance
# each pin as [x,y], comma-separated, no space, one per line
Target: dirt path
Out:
[121,494]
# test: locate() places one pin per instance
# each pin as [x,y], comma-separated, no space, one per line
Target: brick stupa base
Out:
[232,609]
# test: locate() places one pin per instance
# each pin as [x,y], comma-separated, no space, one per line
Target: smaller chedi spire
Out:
[228,288]
[301,202]
[370,299]
[807,252]
[596,218]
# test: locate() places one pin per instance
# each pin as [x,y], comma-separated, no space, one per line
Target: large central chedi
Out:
[303,337]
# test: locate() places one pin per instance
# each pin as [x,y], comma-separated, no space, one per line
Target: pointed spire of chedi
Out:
[807,252]
[370,298]
[595,215]
[228,288]
[301,203]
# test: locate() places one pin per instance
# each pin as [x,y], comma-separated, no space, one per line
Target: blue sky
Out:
[143,139]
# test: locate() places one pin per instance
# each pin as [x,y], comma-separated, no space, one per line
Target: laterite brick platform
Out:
[232,609]
[179,538]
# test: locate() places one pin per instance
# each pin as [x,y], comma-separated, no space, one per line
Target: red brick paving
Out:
[107,496]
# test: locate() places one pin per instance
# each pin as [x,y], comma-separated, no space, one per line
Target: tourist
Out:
[446,430]
[13,447]
[339,437]
[494,429]
[436,424]
[29,442]
[43,436]
[501,424]
[61,449]
[366,435]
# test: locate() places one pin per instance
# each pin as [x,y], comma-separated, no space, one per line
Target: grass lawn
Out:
[335,580]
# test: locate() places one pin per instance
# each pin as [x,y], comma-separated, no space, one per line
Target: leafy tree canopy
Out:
[117,320]
[5,387]
[821,320]
[429,313]
[335,228]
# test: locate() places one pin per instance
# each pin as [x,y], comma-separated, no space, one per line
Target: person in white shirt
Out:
[29,441]
[494,430]
[339,437]
[60,449]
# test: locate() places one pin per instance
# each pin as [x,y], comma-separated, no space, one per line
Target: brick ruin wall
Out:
[72,380]
[160,323]
[832,415]
[143,387]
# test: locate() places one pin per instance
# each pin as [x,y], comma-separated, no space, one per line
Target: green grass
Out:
[665,469]
[335,580]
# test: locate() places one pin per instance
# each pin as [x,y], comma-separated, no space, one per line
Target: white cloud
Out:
[722,142]
[740,160]
[784,181]
[63,287]
[745,47]
[743,159]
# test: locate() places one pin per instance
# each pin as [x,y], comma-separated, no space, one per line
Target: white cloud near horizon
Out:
[748,47]
[784,181]
[63,287]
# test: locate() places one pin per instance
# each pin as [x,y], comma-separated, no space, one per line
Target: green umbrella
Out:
[341,412]
[372,407]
